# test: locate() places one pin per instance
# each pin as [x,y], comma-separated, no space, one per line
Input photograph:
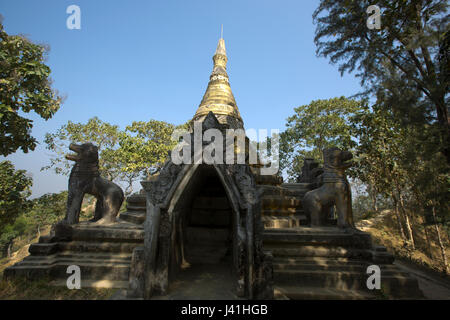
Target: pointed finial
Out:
[221,32]
[221,47]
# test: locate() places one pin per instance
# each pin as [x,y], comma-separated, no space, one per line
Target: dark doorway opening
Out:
[202,255]
[208,224]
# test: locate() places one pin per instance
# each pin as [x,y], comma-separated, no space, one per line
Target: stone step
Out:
[278,222]
[100,284]
[137,198]
[279,191]
[136,217]
[386,270]
[42,249]
[278,202]
[340,280]
[268,179]
[58,270]
[315,293]
[297,186]
[319,260]
[345,280]
[333,238]
[137,207]
[118,258]
[115,226]
[318,251]
[103,234]
[103,247]
[282,212]
[334,267]
[317,230]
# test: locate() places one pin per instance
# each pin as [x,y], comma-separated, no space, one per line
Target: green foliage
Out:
[145,146]
[10,231]
[314,127]
[123,155]
[14,189]
[104,135]
[410,51]
[380,149]
[43,211]
[401,161]
[47,209]
[24,86]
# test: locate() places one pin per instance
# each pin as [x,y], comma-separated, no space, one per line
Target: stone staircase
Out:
[309,263]
[282,207]
[136,206]
[103,254]
[330,263]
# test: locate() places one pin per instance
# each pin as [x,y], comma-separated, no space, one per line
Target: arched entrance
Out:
[202,216]
[202,261]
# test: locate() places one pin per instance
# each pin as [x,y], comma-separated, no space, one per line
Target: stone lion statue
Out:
[334,191]
[85,178]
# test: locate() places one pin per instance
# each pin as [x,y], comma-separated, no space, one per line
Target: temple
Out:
[227,228]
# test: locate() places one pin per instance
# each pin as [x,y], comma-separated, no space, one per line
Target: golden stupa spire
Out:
[218,97]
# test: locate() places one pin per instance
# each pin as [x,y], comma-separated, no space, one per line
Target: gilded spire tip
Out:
[221,47]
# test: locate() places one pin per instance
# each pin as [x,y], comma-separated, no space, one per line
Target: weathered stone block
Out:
[136,281]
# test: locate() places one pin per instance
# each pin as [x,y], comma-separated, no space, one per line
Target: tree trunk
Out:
[373,195]
[409,228]
[441,244]
[427,237]
[407,221]
[129,188]
[9,250]
[399,220]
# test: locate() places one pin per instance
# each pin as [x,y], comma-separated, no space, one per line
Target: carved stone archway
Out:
[252,266]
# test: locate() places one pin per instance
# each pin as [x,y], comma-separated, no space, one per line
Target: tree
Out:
[145,146]
[48,209]
[314,127]
[43,211]
[25,86]
[428,175]
[15,188]
[123,155]
[380,157]
[412,43]
[9,233]
[104,135]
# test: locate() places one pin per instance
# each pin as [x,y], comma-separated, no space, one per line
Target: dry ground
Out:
[427,256]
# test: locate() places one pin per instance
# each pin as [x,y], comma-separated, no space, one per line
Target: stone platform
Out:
[331,263]
[103,254]
[309,263]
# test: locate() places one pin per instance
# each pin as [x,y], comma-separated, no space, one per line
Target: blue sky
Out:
[139,60]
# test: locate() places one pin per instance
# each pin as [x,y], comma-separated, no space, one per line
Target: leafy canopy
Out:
[314,127]
[124,155]
[14,190]
[104,135]
[145,146]
[25,86]
[410,50]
